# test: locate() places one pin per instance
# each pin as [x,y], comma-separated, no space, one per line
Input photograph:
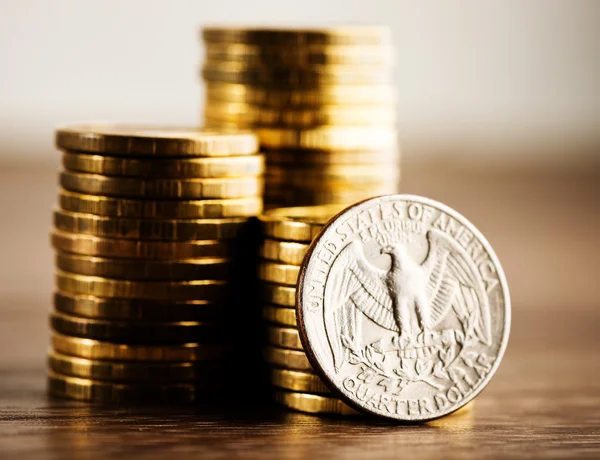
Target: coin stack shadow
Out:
[287,233]
[321,101]
[150,237]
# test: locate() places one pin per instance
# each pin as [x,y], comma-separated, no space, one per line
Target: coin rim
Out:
[280,396]
[106,308]
[270,350]
[112,227]
[307,382]
[76,161]
[277,273]
[185,351]
[144,372]
[88,137]
[158,189]
[159,208]
[99,246]
[269,243]
[96,391]
[333,94]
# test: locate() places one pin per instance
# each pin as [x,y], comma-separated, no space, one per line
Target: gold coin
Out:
[305,56]
[329,138]
[298,381]
[147,332]
[339,196]
[313,404]
[284,296]
[329,192]
[285,337]
[149,229]
[286,252]
[95,349]
[80,243]
[180,168]
[381,171]
[345,35]
[150,290]
[332,178]
[287,359]
[279,315]
[137,310]
[285,77]
[252,115]
[278,273]
[315,160]
[347,96]
[128,371]
[300,224]
[161,209]
[114,393]
[145,140]
[230,187]
[145,269]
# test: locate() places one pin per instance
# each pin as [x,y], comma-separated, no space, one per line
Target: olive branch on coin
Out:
[372,368]
[372,359]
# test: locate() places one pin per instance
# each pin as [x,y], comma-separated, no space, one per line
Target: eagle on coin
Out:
[425,303]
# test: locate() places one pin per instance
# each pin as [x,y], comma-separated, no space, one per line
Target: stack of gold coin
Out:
[321,102]
[147,238]
[287,233]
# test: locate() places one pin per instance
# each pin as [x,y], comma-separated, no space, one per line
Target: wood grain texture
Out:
[543,403]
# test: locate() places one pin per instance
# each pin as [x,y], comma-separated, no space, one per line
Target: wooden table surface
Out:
[544,401]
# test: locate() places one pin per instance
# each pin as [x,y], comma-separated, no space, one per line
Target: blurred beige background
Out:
[480,79]
[499,114]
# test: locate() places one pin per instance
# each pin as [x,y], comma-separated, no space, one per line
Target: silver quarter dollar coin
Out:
[403,308]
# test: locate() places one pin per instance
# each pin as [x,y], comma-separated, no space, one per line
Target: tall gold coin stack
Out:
[287,235]
[321,101]
[147,238]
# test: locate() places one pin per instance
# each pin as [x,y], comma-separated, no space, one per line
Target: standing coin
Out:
[406,292]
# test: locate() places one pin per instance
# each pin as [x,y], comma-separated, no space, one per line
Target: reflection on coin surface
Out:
[403,307]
